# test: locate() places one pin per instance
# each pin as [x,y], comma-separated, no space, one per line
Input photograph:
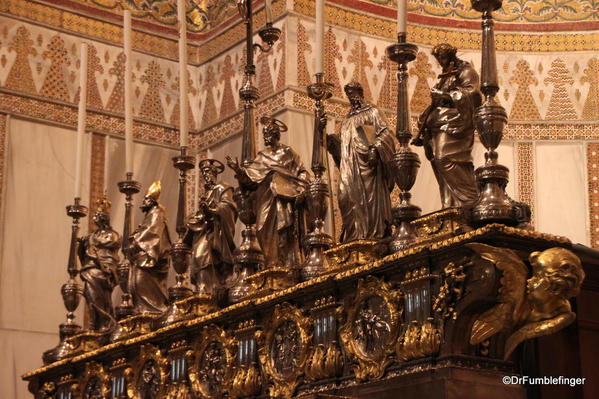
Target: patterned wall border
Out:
[593,187]
[96,121]
[514,131]
[525,165]
[233,125]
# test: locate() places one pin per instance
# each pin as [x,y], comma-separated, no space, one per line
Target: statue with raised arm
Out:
[362,153]
[446,127]
[210,232]
[280,179]
[148,251]
[99,256]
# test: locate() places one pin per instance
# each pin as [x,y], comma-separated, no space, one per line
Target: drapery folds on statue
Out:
[210,232]
[362,153]
[281,180]
[148,253]
[447,127]
[98,253]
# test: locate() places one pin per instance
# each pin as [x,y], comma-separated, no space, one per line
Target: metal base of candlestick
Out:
[133,326]
[315,263]
[249,258]
[317,241]
[405,233]
[63,349]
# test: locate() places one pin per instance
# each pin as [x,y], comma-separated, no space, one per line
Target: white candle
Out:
[268,10]
[106,161]
[183,82]
[401,16]
[81,119]
[319,35]
[128,93]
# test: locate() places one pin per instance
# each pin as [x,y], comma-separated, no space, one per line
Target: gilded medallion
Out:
[285,349]
[371,328]
[211,371]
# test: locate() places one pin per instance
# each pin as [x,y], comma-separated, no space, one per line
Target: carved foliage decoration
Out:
[95,383]
[211,370]
[285,350]
[150,374]
[371,328]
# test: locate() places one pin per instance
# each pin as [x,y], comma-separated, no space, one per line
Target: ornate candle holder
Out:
[405,161]
[71,291]
[493,204]
[249,257]
[317,192]
[180,251]
[127,187]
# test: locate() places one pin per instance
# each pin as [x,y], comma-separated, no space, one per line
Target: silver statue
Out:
[362,153]
[148,250]
[281,180]
[98,253]
[446,127]
[210,232]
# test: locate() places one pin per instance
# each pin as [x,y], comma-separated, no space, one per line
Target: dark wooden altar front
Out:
[397,327]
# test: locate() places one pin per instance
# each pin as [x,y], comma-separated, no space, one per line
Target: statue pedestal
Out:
[133,326]
[270,280]
[351,254]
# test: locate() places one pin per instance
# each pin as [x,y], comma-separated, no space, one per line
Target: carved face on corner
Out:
[557,273]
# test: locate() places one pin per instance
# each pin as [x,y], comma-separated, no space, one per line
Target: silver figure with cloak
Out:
[362,153]
[210,232]
[99,256]
[148,251]
[446,127]
[281,180]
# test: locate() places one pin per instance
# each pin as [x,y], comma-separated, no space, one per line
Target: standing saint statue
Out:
[210,232]
[99,256]
[446,127]
[362,153]
[149,246]
[281,180]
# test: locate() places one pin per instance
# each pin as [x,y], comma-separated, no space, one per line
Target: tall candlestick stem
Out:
[81,119]
[128,92]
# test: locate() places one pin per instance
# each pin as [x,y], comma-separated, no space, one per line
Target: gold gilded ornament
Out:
[211,371]
[534,307]
[371,328]
[285,351]
[419,340]
[95,382]
[149,378]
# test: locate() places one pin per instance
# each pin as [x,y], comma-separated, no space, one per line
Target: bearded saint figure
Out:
[363,152]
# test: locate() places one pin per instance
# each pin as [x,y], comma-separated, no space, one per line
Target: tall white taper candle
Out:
[183,81]
[128,92]
[319,36]
[106,161]
[268,10]
[81,119]
[401,16]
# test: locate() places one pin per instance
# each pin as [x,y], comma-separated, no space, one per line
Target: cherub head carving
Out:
[557,273]
[529,308]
